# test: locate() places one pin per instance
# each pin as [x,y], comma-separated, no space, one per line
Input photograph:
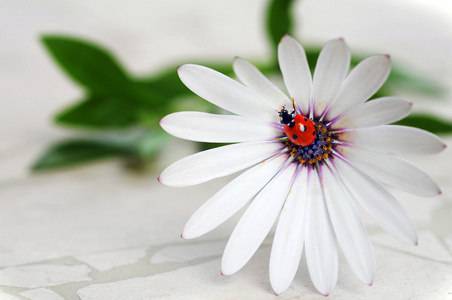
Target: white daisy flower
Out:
[311,156]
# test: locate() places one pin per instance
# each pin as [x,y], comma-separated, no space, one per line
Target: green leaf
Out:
[147,145]
[88,64]
[100,112]
[410,81]
[428,122]
[74,152]
[137,146]
[115,100]
[279,21]
[206,146]
[166,82]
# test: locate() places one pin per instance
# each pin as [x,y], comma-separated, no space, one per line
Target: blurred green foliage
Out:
[279,22]
[122,112]
[428,122]
[136,147]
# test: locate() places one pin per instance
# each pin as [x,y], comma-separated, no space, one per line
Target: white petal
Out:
[332,67]
[295,70]
[397,139]
[377,112]
[256,222]
[204,127]
[264,88]
[225,92]
[321,248]
[231,198]
[217,162]
[393,171]
[362,82]
[289,236]
[349,229]
[379,203]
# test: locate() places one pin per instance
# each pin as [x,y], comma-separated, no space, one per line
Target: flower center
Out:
[308,141]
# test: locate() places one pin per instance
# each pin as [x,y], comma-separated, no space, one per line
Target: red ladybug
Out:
[300,131]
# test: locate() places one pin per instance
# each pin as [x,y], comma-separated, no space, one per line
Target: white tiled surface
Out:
[100,232]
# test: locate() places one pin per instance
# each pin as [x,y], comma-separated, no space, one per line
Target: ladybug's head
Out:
[285,116]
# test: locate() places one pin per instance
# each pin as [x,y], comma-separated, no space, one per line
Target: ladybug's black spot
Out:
[313,133]
[291,124]
[305,119]
[294,137]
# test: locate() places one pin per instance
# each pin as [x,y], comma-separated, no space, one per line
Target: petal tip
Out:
[159,180]
[285,37]
[416,243]
[222,274]
[371,284]
[388,57]
[444,146]
[326,294]
[341,39]
[182,236]
[276,294]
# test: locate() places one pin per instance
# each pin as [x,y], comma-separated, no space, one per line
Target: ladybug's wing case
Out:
[300,131]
